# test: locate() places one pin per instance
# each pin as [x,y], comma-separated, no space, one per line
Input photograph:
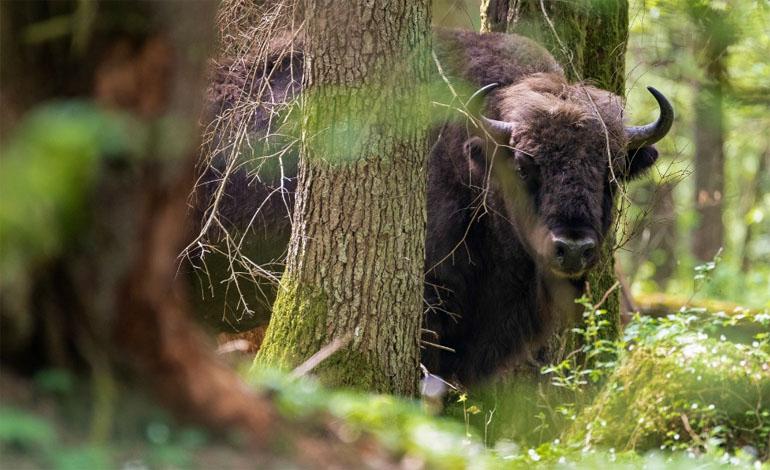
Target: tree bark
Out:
[355,261]
[708,236]
[588,38]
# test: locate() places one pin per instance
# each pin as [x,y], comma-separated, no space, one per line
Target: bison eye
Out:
[523,165]
[522,172]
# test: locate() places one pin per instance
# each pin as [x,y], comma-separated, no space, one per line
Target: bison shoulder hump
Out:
[484,58]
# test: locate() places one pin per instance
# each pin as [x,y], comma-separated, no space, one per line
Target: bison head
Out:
[557,153]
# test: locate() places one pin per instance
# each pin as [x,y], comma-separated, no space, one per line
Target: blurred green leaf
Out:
[81,458]
[19,427]
[48,169]
[55,380]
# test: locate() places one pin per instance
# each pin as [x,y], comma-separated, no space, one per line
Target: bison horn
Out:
[639,136]
[497,128]
[479,94]
[500,128]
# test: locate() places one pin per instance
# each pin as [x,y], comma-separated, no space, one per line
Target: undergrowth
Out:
[689,390]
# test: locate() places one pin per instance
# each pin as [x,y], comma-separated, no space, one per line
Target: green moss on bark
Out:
[588,37]
[353,369]
[299,319]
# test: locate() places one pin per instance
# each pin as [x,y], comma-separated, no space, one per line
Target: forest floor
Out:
[704,379]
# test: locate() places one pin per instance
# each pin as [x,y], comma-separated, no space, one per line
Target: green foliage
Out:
[553,397]
[711,368]
[666,49]
[345,121]
[485,436]
[52,431]
[78,458]
[25,430]
[404,429]
[48,169]
[681,388]
[595,357]
[58,381]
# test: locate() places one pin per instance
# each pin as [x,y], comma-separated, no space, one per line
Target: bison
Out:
[520,200]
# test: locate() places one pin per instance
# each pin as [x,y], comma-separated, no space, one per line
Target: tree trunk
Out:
[759,182]
[355,264]
[588,38]
[715,33]
[105,296]
[708,236]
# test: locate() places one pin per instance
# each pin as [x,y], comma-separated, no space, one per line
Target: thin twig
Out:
[607,295]
[437,346]
[321,355]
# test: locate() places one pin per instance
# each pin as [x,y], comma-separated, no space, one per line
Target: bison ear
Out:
[473,149]
[639,160]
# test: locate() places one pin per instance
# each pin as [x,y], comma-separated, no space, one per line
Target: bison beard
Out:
[517,208]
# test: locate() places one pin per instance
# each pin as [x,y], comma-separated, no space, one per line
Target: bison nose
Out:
[573,255]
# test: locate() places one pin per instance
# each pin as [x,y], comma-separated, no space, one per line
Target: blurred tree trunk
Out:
[752,198]
[708,236]
[654,235]
[663,226]
[105,296]
[355,264]
[715,32]
[589,39]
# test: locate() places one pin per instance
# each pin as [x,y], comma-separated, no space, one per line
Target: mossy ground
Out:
[680,388]
[694,383]
[46,422]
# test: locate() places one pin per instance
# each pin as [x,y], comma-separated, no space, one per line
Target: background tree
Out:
[589,39]
[714,34]
[93,208]
[355,262]
[679,45]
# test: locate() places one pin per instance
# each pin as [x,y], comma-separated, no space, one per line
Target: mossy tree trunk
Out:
[588,37]
[355,264]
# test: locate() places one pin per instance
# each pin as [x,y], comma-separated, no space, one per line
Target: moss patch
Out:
[683,391]
[297,329]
